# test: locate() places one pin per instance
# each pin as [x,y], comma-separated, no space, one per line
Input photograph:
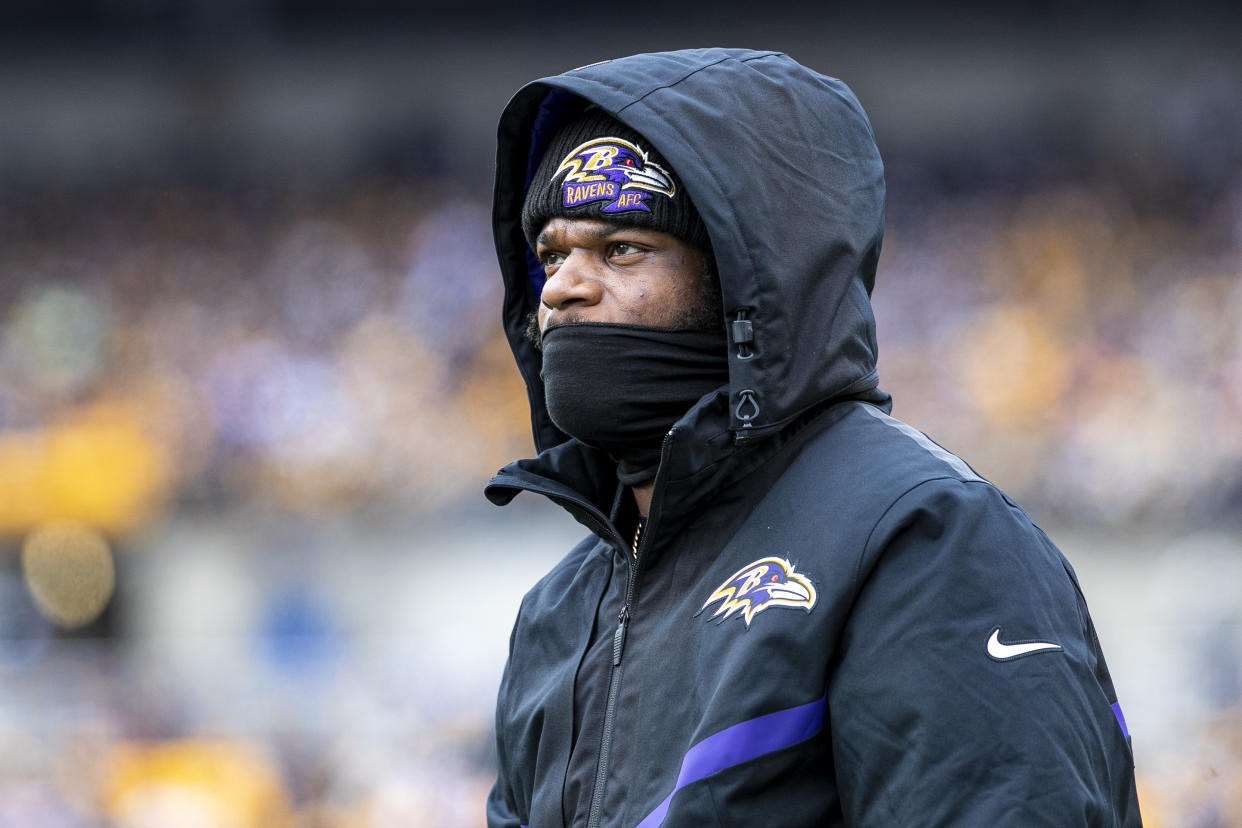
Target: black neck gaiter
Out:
[621,387]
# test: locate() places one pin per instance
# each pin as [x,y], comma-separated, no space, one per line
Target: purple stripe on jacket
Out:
[740,743]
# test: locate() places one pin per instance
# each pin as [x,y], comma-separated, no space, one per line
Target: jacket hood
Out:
[782,165]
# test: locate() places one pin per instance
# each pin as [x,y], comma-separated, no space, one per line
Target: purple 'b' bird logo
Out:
[612,170]
[768,582]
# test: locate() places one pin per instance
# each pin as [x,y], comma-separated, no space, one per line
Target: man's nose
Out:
[574,283]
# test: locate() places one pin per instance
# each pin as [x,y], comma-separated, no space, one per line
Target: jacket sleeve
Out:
[501,810]
[938,716]
[501,801]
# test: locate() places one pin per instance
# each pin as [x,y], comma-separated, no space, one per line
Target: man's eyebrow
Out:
[604,230]
[595,232]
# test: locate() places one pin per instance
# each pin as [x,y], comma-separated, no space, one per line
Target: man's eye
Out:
[625,249]
[548,259]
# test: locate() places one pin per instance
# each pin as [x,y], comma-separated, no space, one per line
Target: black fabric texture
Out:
[673,213]
[621,387]
[588,719]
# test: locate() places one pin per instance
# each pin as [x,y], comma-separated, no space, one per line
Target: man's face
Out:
[603,272]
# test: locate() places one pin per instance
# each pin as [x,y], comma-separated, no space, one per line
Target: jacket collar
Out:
[699,454]
[702,460]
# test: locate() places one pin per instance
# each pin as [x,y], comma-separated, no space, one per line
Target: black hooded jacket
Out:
[831,620]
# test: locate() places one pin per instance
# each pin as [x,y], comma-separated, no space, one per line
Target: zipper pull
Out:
[618,638]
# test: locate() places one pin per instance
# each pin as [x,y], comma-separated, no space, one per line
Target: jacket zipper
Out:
[618,649]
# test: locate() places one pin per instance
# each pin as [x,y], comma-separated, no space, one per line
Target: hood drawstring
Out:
[743,334]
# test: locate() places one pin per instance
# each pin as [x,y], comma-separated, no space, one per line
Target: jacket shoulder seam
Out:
[862,554]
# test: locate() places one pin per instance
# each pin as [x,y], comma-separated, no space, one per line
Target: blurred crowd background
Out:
[252,382]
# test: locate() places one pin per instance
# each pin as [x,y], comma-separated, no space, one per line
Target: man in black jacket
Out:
[791,609]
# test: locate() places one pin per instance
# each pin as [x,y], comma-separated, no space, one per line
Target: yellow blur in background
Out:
[96,467]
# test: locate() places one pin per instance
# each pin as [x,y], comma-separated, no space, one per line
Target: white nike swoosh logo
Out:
[1004,652]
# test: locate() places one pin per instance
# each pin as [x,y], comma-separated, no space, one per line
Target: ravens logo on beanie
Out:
[597,167]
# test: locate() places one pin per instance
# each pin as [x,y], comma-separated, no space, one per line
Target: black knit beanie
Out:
[597,167]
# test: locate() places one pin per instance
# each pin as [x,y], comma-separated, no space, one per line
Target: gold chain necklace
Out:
[638,531]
